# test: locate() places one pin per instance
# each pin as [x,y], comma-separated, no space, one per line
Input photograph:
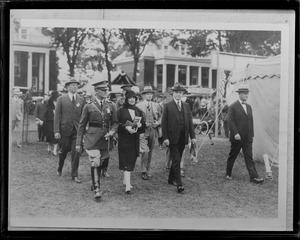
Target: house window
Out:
[205,76]
[194,76]
[17,64]
[23,34]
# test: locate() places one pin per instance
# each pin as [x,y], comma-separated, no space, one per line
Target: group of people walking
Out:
[75,125]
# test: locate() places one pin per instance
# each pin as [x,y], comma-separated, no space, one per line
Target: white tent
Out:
[263,79]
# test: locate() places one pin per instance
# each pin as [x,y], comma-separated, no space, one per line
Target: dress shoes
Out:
[228,177]
[257,180]
[128,192]
[180,189]
[76,179]
[105,174]
[58,173]
[98,194]
[145,176]
[149,175]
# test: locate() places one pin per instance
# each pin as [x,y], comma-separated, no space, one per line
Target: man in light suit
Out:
[152,113]
[101,117]
[177,127]
[17,111]
[241,134]
[68,111]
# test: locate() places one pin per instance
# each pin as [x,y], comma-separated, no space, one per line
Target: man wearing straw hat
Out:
[17,111]
[101,117]
[152,113]
[241,133]
[177,127]
[66,120]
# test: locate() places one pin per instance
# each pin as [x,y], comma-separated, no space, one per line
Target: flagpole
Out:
[217,95]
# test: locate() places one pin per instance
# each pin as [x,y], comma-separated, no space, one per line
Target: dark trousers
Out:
[67,144]
[226,128]
[105,164]
[176,151]
[247,151]
[41,132]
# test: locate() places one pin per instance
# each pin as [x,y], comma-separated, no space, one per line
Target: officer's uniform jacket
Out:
[95,122]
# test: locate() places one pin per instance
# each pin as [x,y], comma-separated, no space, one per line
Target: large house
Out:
[162,65]
[30,65]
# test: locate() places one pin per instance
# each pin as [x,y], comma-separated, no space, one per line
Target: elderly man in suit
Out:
[152,113]
[39,112]
[177,127]
[101,117]
[17,111]
[68,111]
[241,134]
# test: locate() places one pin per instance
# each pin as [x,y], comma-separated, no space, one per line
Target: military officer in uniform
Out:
[101,117]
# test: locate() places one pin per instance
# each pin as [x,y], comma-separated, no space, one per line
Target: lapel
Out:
[240,107]
[176,109]
[97,105]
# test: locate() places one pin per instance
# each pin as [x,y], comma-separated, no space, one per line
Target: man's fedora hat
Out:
[243,88]
[148,89]
[101,85]
[72,80]
[178,88]
[17,91]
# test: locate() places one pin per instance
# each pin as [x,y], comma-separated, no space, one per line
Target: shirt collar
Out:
[71,95]
[241,102]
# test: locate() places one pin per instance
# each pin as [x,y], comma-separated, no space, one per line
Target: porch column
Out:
[187,75]
[176,73]
[199,76]
[210,78]
[41,85]
[47,67]
[155,76]
[29,70]
[164,79]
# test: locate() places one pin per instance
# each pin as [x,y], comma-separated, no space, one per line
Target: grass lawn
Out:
[36,190]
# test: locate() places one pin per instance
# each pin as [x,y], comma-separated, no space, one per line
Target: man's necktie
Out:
[178,105]
[244,106]
[73,100]
[148,107]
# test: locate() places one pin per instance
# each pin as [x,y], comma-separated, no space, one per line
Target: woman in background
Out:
[49,119]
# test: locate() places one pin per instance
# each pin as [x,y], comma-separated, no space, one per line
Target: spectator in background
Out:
[196,107]
[17,112]
[129,136]
[225,118]
[160,99]
[49,123]
[121,100]
[40,111]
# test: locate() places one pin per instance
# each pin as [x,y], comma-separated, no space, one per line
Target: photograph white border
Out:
[286,88]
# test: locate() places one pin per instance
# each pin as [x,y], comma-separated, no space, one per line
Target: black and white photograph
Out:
[140,119]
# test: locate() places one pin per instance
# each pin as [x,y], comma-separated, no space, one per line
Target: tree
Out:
[262,43]
[105,37]
[136,40]
[71,40]
[197,41]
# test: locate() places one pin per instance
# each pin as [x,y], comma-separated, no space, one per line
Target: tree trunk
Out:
[136,60]
[72,71]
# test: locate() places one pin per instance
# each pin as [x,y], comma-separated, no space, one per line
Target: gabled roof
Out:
[122,79]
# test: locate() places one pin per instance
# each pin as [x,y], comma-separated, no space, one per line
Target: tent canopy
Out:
[122,79]
[263,79]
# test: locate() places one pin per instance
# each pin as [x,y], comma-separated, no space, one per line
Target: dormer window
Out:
[24,34]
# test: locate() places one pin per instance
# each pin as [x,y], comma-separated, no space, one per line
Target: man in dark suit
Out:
[66,119]
[241,134]
[177,127]
[101,117]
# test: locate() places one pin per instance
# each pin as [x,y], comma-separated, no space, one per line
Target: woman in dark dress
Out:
[129,136]
[49,121]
